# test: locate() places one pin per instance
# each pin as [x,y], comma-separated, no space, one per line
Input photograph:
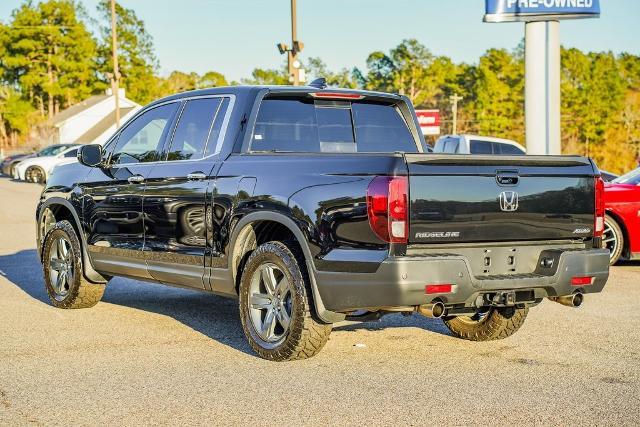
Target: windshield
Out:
[631,178]
[53,150]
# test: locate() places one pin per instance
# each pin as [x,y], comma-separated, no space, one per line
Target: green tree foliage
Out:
[263,76]
[211,79]
[49,55]
[498,94]
[16,114]
[179,81]
[345,78]
[137,62]
[593,92]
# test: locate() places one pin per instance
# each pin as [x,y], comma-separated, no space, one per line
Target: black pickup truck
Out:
[312,205]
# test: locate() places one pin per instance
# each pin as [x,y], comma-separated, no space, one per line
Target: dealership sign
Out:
[429,121]
[539,10]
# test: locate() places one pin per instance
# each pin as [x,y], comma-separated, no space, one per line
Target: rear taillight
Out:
[388,208]
[337,95]
[598,227]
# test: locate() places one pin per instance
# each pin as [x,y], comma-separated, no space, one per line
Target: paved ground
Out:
[150,354]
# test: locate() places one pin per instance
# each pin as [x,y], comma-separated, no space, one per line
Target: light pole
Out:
[115,81]
[296,74]
[455,98]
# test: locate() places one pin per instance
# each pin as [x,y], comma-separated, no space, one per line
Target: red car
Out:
[622,221]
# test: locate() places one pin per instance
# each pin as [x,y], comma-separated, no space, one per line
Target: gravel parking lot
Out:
[149,354]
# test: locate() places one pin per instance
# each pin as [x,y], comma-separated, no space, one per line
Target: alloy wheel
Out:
[270,303]
[61,267]
[610,239]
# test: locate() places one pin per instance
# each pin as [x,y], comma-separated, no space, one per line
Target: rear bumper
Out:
[401,281]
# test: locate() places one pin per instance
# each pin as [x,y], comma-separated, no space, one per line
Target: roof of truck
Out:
[245,89]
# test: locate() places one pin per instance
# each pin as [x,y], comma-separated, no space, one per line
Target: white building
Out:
[92,120]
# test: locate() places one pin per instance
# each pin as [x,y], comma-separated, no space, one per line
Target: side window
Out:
[214,143]
[194,129]
[508,149]
[72,153]
[142,140]
[286,125]
[381,128]
[481,147]
[451,145]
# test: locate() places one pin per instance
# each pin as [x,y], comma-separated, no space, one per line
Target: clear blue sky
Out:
[234,36]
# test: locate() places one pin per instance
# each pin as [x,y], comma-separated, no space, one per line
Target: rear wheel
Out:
[493,324]
[612,239]
[276,307]
[62,265]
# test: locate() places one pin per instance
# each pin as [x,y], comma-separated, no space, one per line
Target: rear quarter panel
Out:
[324,194]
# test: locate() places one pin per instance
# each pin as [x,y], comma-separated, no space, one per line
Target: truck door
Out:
[175,197]
[112,195]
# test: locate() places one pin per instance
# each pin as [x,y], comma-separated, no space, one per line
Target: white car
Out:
[475,144]
[37,169]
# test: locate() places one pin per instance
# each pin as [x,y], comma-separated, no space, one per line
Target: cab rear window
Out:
[308,125]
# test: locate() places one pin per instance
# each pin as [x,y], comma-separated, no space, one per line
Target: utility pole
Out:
[296,74]
[115,81]
[455,98]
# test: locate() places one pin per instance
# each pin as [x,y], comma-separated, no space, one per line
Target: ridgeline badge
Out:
[539,10]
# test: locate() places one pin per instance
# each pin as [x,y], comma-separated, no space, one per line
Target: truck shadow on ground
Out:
[213,316]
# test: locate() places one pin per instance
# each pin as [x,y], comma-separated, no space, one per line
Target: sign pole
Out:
[542,61]
[116,72]
[542,87]
[454,112]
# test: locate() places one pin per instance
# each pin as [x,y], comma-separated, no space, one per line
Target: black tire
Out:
[613,230]
[496,324]
[78,292]
[306,334]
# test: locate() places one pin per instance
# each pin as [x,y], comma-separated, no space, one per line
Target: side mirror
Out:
[90,155]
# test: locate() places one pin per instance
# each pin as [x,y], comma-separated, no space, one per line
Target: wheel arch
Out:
[62,209]
[257,228]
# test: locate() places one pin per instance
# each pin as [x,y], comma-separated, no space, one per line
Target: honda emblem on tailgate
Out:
[509,201]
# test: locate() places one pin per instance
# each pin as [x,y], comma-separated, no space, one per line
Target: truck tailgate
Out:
[466,198]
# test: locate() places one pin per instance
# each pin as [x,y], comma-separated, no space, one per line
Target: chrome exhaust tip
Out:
[435,310]
[573,300]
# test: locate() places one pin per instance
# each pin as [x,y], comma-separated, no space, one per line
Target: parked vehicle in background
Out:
[312,205]
[622,220]
[37,169]
[9,163]
[475,144]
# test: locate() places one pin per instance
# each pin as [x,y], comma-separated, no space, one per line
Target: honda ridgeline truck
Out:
[314,205]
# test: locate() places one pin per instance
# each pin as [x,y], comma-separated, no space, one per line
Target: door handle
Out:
[196,176]
[136,179]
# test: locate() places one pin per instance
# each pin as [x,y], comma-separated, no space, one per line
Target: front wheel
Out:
[276,308]
[62,265]
[494,324]
[35,174]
